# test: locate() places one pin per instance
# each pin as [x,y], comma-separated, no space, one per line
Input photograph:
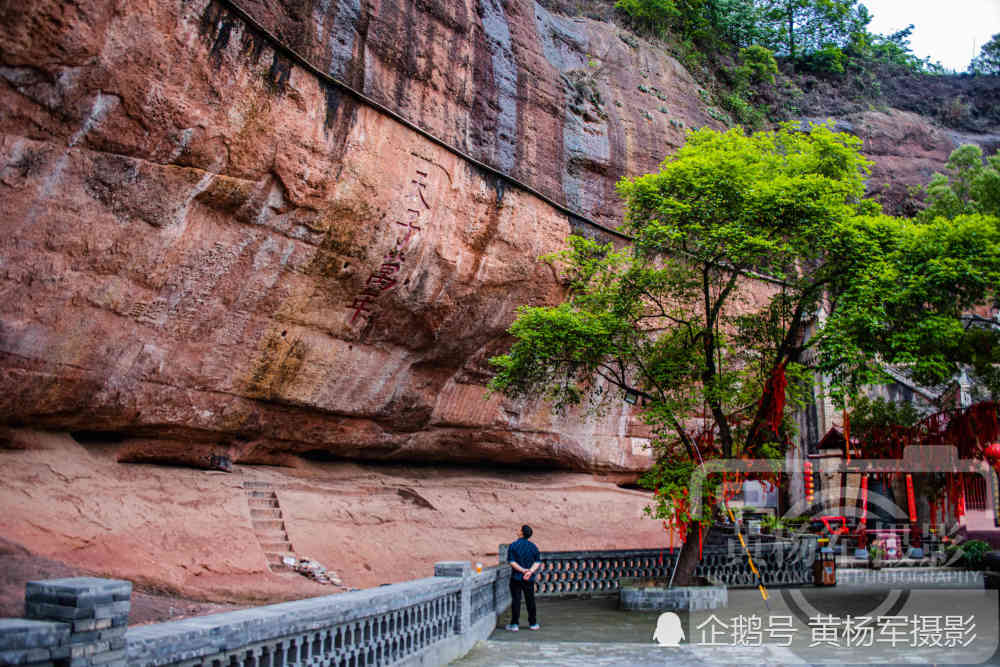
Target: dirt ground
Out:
[185,539]
[18,566]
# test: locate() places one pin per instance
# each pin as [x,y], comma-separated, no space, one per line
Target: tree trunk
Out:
[689,557]
[791,32]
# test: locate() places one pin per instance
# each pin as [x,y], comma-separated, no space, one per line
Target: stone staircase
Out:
[268,524]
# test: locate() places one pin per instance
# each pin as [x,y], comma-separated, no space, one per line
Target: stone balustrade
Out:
[780,562]
[423,622]
[82,622]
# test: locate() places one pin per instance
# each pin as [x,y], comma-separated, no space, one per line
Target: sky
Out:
[950,31]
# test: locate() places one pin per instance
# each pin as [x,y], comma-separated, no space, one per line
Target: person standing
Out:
[525,561]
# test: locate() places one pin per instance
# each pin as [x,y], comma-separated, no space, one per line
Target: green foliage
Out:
[654,17]
[824,36]
[772,523]
[664,319]
[828,59]
[864,47]
[799,28]
[970,186]
[743,112]
[962,220]
[970,554]
[757,66]
[868,414]
[988,60]
[908,309]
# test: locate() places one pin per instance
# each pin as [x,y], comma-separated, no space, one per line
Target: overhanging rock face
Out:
[210,251]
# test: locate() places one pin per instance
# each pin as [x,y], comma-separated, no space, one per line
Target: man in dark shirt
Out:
[524,563]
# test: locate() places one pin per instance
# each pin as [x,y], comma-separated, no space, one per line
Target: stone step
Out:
[266,525]
[273,538]
[253,484]
[264,514]
[275,558]
[276,547]
[262,494]
[279,567]
[263,503]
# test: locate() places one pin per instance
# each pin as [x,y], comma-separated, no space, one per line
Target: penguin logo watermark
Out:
[668,630]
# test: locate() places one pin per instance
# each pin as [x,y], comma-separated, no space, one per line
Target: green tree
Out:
[738,242]
[988,60]
[655,17]
[970,186]
[669,320]
[757,66]
[916,307]
[799,28]
[689,18]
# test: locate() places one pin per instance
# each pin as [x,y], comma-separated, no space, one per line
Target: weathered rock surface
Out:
[209,250]
[907,150]
[190,532]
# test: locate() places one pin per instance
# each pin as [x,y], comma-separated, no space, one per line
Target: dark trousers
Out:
[517,587]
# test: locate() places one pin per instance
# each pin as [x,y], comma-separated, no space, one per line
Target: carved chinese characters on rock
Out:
[409,223]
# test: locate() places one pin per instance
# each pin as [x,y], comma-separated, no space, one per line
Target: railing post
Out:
[95,612]
[463,569]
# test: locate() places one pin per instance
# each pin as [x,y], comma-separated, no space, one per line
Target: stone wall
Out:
[635,596]
[423,622]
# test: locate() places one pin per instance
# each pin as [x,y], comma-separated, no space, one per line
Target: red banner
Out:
[864,500]
[911,501]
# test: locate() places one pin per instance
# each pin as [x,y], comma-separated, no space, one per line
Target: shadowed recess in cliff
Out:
[99,437]
[440,466]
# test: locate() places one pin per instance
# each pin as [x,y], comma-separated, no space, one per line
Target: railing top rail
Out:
[643,553]
[488,575]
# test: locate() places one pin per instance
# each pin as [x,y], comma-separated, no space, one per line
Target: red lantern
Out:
[992,453]
[911,501]
[808,470]
[864,501]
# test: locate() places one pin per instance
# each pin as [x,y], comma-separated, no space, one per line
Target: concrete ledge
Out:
[634,597]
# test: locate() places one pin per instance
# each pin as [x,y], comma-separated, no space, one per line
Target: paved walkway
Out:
[572,654]
[594,632]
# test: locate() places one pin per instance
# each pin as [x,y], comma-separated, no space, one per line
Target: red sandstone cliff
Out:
[210,250]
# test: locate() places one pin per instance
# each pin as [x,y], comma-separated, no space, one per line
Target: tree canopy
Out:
[917,307]
[970,186]
[822,35]
[988,60]
[670,317]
